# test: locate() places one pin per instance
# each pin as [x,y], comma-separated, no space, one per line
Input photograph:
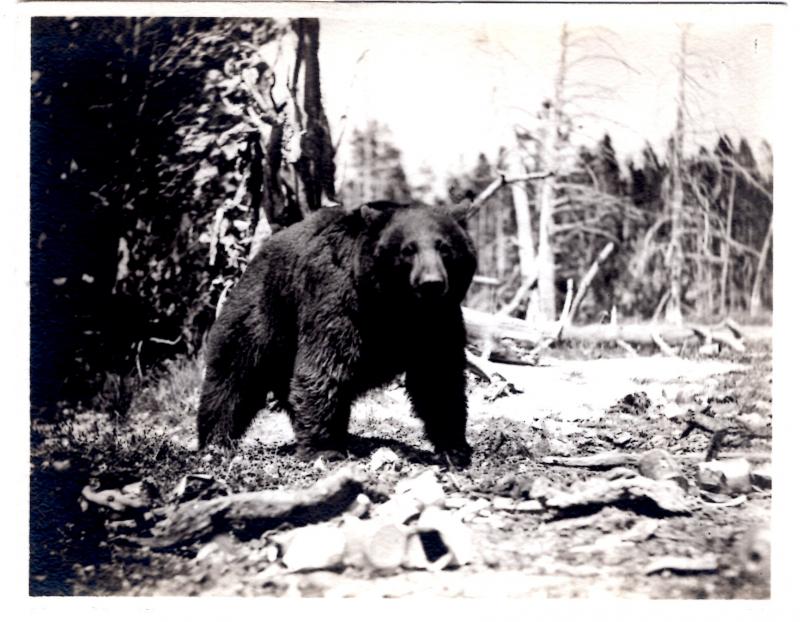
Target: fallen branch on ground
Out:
[252,513]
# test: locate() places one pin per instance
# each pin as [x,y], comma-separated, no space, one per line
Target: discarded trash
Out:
[424,488]
[454,534]
[313,547]
[660,465]
[374,543]
[725,476]
[398,509]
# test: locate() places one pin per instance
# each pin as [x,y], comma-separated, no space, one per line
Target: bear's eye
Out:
[409,250]
[441,247]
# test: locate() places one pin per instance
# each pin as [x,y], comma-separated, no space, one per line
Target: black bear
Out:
[338,304]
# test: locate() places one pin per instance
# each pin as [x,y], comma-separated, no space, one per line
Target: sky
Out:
[449,90]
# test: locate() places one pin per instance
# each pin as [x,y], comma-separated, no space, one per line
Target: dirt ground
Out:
[576,402]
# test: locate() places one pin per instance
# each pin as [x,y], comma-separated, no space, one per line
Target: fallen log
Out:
[249,514]
[482,326]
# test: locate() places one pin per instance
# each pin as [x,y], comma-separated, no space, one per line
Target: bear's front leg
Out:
[436,385]
[320,399]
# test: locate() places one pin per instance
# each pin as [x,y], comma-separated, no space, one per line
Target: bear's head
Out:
[421,253]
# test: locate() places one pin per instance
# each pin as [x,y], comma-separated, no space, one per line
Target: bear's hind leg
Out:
[228,404]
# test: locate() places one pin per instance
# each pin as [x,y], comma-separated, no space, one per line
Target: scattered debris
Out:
[683,565]
[451,531]
[423,488]
[725,476]
[640,494]
[605,460]
[135,497]
[722,501]
[249,513]
[658,464]
[313,547]
[197,486]
[632,404]
[500,387]
[381,457]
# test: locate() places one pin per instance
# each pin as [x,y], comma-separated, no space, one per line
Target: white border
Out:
[14,270]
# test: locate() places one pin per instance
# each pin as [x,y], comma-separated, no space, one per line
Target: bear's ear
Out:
[378,211]
[461,212]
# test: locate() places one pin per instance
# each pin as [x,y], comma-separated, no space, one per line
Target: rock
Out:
[381,457]
[621,438]
[725,476]
[314,547]
[660,465]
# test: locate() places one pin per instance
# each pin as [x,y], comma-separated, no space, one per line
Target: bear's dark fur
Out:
[339,304]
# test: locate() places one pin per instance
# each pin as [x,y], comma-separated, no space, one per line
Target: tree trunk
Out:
[522,214]
[546,309]
[307,125]
[674,314]
[758,280]
[500,242]
[726,248]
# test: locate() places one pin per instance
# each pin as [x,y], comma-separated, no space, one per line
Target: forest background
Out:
[163,150]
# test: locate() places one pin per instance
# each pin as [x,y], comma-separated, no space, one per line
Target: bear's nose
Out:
[432,288]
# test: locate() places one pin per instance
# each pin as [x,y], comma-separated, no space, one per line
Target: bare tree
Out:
[674,313]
